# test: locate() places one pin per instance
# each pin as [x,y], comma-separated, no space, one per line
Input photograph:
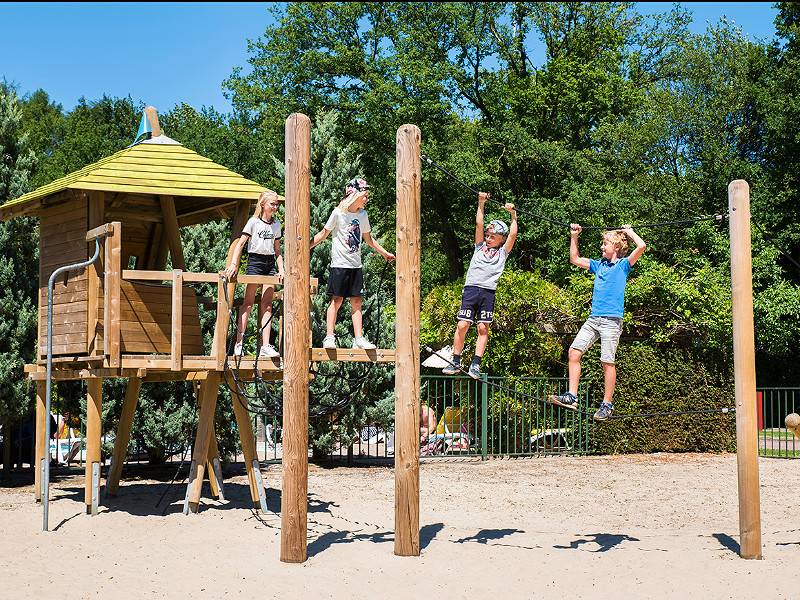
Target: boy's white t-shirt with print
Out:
[347,230]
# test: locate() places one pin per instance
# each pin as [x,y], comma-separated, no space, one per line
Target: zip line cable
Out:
[718,217]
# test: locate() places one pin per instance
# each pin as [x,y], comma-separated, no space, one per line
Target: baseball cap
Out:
[355,185]
[498,227]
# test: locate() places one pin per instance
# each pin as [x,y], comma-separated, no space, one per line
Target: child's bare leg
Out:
[575,370]
[355,310]
[460,336]
[610,379]
[247,305]
[483,338]
[333,310]
[267,294]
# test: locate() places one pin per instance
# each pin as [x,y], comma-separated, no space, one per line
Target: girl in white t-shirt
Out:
[349,224]
[262,234]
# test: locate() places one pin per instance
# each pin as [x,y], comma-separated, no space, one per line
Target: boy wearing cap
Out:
[349,224]
[477,300]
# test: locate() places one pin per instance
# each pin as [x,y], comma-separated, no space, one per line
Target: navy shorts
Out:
[344,282]
[477,305]
[261,264]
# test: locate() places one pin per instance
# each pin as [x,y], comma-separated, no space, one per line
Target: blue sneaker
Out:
[604,411]
[566,400]
[475,371]
[452,369]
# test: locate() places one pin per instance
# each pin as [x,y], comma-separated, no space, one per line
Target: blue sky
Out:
[164,53]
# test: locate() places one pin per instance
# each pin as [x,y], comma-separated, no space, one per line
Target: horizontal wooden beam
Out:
[106,229]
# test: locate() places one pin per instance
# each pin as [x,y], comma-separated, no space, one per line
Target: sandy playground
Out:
[637,526]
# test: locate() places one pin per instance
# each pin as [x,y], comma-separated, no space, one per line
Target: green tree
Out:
[19,273]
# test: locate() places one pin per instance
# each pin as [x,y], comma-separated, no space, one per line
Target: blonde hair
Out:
[620,240]
[344,205]
[259,205]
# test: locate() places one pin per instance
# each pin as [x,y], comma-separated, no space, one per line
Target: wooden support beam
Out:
[123,435]
[407,370]
[248,440]
[173,232]
[177,320]
[744,367]
[297,304]
[42,448]
[209,390]
[94,275]
[94,427]
[113,272]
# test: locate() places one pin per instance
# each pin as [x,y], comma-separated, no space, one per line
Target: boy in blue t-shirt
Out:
[605,320]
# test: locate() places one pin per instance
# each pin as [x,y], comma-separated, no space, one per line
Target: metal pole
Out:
[46,466]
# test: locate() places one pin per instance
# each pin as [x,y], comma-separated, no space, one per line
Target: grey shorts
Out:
[608,329]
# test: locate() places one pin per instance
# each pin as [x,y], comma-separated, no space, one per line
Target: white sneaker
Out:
[329,341]
[268,351]
[363,343]
[237,349]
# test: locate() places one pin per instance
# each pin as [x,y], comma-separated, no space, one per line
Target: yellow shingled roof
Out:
[168,169]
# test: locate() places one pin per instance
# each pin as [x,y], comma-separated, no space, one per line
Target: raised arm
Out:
[574,256]
[482,196]
[512,230]
[640,244]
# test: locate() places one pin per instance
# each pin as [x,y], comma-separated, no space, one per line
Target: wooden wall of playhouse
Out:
[145,308]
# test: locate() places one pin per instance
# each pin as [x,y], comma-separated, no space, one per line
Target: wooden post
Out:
[248,441]
[209,389]
[42,447]
[113,276]
[123,435]
[94,426]
[744,366]
[297,306]
[94,277]
[407,367]
[176,354]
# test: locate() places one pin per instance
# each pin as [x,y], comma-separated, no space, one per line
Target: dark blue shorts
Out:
[261,264]
[344,282]
[477,305]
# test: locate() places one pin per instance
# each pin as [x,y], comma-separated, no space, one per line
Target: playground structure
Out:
[107,350]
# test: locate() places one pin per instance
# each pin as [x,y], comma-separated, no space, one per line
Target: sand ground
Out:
[636,526]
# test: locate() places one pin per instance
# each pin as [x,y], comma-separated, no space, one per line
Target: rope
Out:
[554,222]
[774,243]
[583,412]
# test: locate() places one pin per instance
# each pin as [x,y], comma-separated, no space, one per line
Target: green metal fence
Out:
[774,439]
[495,416]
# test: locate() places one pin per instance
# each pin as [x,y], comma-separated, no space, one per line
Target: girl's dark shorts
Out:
[477,305]
[261,264]
[347,283]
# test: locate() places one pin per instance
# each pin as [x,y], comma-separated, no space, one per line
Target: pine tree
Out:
[19,261]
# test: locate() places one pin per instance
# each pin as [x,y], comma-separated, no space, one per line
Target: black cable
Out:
[541,218]
[774,243]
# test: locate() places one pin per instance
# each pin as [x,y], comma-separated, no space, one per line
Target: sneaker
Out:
[604,411]
[452,369]
[363,343]
[566,400]
[475,371]
[329,341]
[237,349]
[268,351]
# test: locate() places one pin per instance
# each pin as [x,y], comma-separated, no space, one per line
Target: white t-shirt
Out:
[486,266]
[347,230]
[262,235]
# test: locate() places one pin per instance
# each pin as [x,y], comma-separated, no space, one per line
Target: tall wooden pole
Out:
[297,306]
[744,366]
[94,428]
[407,367]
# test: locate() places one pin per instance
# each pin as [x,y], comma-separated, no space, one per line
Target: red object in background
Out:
[761,411]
